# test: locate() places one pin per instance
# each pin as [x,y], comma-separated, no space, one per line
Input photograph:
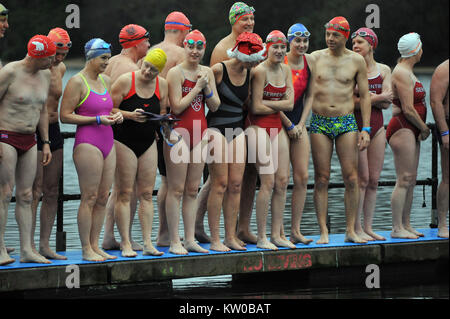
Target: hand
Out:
[364,140]
[293,134]
[387,96]
[202,80]
[118,117]
[137,116]
[107,120]
[46,155]
[424,134]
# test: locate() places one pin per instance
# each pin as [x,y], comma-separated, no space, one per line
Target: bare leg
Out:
[443,195]
[322,150]
[163,232]
[202,202]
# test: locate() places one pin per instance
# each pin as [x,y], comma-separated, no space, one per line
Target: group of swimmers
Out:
[145,109]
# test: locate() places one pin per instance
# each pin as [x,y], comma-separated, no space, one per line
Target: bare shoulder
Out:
[162,82]
[310,58]
[443,69]
[384,69]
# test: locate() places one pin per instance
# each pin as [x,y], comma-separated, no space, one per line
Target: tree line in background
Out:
[104,19]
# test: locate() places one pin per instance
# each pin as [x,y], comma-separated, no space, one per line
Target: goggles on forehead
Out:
[299,34]
[180,23]
[336,27]
[4,12]
[104,46]
[244,10]
[193,42]
[363,34]
[276,40]
[146,35]
[63,45]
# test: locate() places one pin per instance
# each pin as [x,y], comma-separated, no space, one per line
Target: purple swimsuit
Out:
[100,136]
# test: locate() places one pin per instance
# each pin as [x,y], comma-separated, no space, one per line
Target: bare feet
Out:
[194,247]
[178,249]
[149,250]
[364,236]
[110,244]
[234,244]
[248,237]
[9,250]
[403,233]
[163,240]
[4,258]
[127,250]
[100,252]
[374,235]
[90,255]
[281,242]
[136,246]
[31,257]
[50,254]
[265,244]
[201,236]
[295,239]
[218,246]
[352,237]
[415,232]
[443,232]
[323,240]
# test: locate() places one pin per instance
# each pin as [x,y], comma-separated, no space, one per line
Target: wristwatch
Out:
[46,142]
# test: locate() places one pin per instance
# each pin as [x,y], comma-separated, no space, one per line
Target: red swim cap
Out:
[339,24]
[195,36]
[177,21]
[131,35]
[61,38]
[41,46]
[275,36]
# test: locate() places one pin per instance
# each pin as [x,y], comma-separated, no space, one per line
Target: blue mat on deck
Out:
[336,240]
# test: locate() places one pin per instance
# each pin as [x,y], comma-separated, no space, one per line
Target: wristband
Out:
[98,119]
[290,128]
[209,95]
[367,129]
[444,133]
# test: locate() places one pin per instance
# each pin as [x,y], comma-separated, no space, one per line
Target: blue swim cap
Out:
[96,47]
[297,30]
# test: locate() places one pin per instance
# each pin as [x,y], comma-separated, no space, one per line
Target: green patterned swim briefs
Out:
[333,127]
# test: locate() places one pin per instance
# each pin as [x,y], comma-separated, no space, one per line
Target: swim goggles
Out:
[299,34]
[276,40]
[146,35]
[4,12]
[166,139]
[62,45]
[363,34]
[180,23]
[192,42]
[336,27]
[104,46]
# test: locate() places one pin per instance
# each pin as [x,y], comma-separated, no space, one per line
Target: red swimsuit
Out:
[376,117]
[399,121]
[270,121]
[193,117]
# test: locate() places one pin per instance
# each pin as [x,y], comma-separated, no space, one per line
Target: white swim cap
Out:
[409,45]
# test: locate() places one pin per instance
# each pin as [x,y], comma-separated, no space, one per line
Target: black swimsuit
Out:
[138,136]
[232,98]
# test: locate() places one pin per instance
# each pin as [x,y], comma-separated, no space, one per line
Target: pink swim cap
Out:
[367,34]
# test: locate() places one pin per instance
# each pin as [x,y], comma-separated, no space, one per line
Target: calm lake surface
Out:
[221,286]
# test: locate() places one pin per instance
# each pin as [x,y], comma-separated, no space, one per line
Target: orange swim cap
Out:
[177,21]
[339,24]
[131,35]
[41,46]
[61,38]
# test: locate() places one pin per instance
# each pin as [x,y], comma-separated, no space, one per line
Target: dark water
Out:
[212,287]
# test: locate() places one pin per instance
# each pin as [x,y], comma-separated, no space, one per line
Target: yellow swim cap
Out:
[157,57]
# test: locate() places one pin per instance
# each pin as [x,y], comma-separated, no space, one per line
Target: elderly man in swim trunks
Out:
[176,27]
[24,87]
[337,71]
[134,40]
[242,19]
[439,105]
[47,178]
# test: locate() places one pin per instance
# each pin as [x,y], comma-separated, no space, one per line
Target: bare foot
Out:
[31,257]
[5,259]
[413,231]
[136,246]
[323,239]
[265,244]
[354,238]
[149,250]
[90,255]
[374,235]
[295,239]
[9,250]
[403,233]
[194,247]
[50,254]
[234,244]
[281,242]
[364,236]
[248,237]
[218,246]
[127,250]
[178,249]
[105,255]
[443,232]
[163,240]
[110,244]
